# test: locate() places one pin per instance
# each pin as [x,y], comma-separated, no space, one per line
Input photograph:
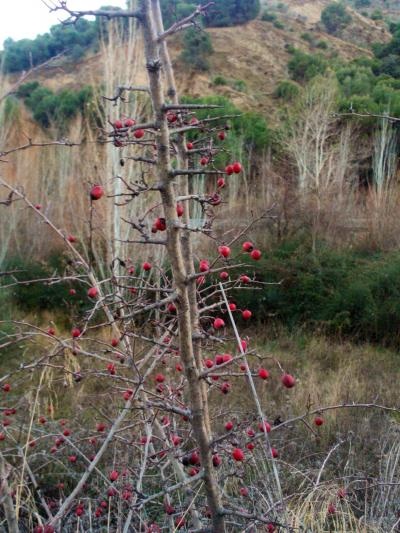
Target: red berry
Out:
[263,373]
[250,446]
[92,292]
[220,183]
[138,134]
[224,276]
[244,279]
[331,509]
[160,224]
[229,170]
[38,207]
[219,359]
[160,378]
[178,367]
[225,387]
[114,342]
[247,246]
[318,421]
[194,121]
[229,426]
[72,292]
[176,440]
[100,427]
[189,146]
[179,210]
[274,453]
[238,454]
[225,251]
[113,475]
[232,306]
[146,266]
[264,426]
[127,395]
[204,265]
[246,314]
[221,135]
[111,369]
[288,381]
[208,363]
[244,491]
[96,192]
[118,125]
[226,358]
[76,332]
[171,117]
[71,238]
[2,436]
[129,122]
[204,161]
[171,308]
[256,255]
[216,460]
[237,167]
[218,323]
[51,331]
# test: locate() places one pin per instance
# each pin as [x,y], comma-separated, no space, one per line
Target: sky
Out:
[22,19]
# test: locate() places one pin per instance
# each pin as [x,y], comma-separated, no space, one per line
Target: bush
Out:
[303,67]
[279,25]
[53,108]
[197,48]
[268,17]
[335,17]
[339,292]
[322,45]
[41,296]
[222,13]
[377,15]
[287,90]
[220,80]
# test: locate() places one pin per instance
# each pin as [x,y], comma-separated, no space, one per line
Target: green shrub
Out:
[220,80]
[322,45]
[340,292]
[239,85]
[222,13]
[40,296]
[335,17]
[54,108]
[377,15]
[287,90]
[197,48]
[279,25]
[306,36]
[303,67]
[268,17]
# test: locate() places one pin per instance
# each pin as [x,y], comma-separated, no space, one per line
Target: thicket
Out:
[197,49]
[335,17]
[222,13]
[345,293]
[72,41]
[54,108]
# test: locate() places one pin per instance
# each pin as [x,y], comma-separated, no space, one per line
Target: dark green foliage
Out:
[287,90]
[222,13]
[303,67]
[53,108]
[268,17]
[377,15]
[220,80]
[72,41]
[335,17]
[26,53]
[362,3]
[279,25]
[339,292]
[40,296]
[197,48]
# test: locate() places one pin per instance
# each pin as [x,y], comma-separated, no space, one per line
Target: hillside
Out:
[260,58]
